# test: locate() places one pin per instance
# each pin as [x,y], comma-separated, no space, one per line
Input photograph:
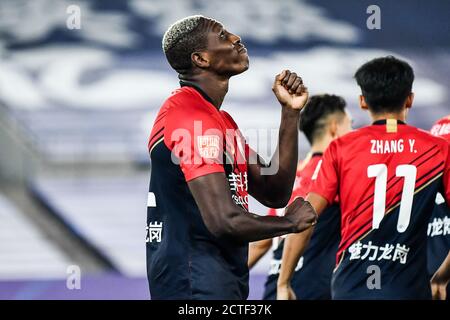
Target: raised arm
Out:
[294,247]
[225,220]
[271,184]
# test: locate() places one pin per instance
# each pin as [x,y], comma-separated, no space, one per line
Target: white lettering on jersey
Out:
[391,146]
[441,129]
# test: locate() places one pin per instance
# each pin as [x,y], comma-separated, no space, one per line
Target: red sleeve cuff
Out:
[203,171]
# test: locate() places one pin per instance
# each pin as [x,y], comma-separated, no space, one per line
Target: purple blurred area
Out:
[100,287]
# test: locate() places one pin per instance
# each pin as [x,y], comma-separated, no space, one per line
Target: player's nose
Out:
[235,39]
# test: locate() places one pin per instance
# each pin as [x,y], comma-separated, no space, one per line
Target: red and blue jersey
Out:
[387,176]
[439,226]
[312,277]
[192,138]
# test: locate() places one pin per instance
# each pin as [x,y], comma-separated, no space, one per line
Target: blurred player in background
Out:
[386,176]
[439,226]
[198,224]
[322,120]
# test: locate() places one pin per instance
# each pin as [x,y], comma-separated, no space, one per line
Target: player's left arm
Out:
[440,280]
[272,184]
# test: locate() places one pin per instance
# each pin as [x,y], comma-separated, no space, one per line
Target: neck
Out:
[316,147]
[388,115]
[321,145]
[214,86]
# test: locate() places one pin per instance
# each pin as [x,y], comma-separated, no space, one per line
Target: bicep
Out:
[256,179]
[213,197]
[255,168]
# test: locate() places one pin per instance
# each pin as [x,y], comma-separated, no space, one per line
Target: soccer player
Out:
[439,227]
[198,224]
[386,176]
[322,120]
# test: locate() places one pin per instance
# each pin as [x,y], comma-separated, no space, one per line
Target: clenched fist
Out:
[289,90]
[301,214]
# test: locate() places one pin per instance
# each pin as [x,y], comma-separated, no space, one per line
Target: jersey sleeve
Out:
[446,177]
[195,139]
[327,181]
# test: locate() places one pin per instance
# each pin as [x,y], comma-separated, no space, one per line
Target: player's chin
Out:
[245,60]
[245,66]
[242,66]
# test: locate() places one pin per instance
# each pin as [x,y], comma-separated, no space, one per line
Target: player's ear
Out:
[200,59]
[333,128]
[409,100]
[362,102]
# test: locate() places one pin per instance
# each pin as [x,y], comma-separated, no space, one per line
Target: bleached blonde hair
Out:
[182,38]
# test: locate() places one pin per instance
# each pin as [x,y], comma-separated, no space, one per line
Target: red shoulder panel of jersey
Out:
[442,128]
[193,129]
[349,162]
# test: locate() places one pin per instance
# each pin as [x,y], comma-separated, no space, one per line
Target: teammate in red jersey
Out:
[323,119]
[198,224]
[386,176]
[439,229]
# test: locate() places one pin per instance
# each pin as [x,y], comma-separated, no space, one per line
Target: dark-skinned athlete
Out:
[198,224]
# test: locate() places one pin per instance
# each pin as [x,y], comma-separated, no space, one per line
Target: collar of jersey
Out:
[184,83]
[383,121]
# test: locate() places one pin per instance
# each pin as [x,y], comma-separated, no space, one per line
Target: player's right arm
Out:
[322,193]
[225,219]
[257,250]
[294,247]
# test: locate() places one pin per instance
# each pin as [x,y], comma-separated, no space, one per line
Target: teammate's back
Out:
[387,175]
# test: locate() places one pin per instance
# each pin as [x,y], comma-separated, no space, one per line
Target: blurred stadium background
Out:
[76,107]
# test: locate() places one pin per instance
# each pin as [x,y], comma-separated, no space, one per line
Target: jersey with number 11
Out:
[386,176]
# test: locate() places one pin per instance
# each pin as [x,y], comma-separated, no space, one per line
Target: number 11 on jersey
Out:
[380,173]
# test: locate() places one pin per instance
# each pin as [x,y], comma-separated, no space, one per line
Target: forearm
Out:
[248,227]
[284,161]
[257,250]
[294,247]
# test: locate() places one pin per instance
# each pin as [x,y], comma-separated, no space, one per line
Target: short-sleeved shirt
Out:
[192,138]
[439,226]
[312,277]
[387,176]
